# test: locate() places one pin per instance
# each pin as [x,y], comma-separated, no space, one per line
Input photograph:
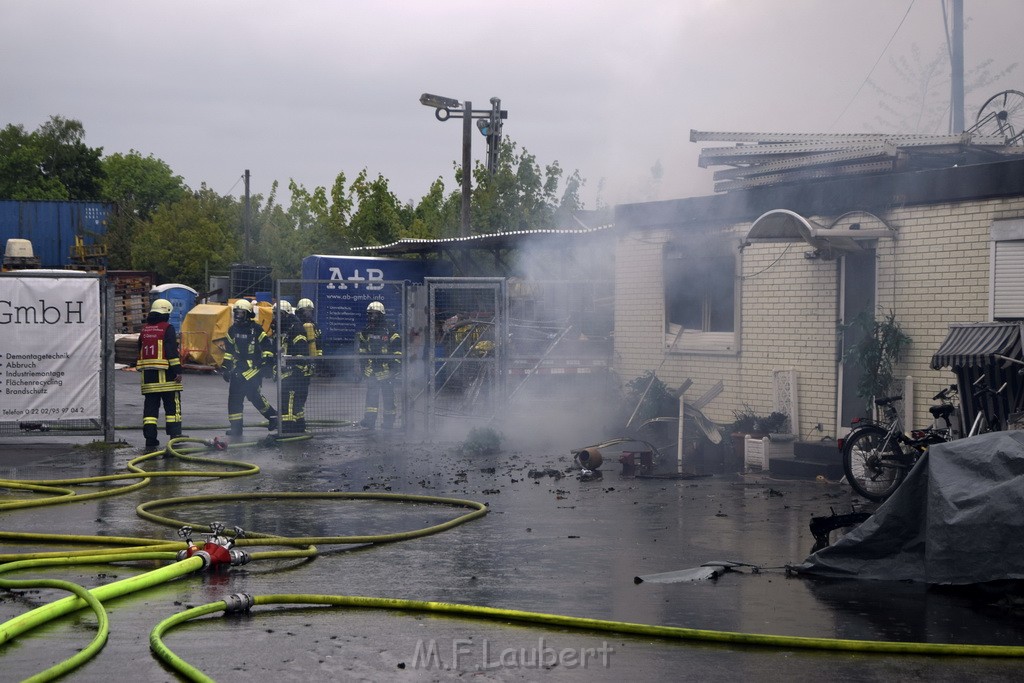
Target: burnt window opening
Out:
[700,288]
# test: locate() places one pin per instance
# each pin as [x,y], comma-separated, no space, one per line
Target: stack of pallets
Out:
[131,299]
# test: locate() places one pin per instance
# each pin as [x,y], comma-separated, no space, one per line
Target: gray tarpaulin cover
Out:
[957,519]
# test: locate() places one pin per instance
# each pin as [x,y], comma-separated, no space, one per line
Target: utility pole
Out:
[247,218]
[956,59]
[467,166]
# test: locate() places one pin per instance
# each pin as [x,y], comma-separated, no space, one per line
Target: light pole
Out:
[446,108]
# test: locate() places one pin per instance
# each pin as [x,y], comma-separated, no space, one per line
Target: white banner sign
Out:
[50,348]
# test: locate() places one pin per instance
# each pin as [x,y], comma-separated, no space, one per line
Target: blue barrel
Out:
[182,298]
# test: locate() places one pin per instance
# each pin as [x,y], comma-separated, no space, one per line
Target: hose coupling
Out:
[239,602]
[207,560]
[239,557]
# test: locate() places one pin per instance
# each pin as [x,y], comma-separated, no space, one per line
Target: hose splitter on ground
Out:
[218,550]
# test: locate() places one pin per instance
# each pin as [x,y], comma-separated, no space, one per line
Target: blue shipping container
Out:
[52,226]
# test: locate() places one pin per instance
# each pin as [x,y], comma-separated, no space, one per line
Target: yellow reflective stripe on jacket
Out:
[159,387]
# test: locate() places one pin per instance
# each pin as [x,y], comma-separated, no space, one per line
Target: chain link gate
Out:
[466,349]
[335,395]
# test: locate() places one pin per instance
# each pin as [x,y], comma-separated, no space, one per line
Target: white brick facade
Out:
[933,273]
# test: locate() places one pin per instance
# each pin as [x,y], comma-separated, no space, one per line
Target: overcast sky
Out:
[304,89]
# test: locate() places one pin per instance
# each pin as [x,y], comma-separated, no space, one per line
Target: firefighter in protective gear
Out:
[160,366]
[285,308]
[293,350]
[304,310]
[248,356]
[380,348]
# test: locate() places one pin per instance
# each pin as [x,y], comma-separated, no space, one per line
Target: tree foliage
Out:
[921,101]
[377,219]
[521,196]
[136,185]
[51,163]
[185,240]
[159,224]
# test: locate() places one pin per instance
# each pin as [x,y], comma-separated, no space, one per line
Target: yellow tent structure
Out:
[206,324]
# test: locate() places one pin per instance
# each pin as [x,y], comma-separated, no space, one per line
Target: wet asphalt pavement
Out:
[548,544]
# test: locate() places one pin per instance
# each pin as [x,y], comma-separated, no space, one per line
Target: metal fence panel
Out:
[338,389]
[467,347]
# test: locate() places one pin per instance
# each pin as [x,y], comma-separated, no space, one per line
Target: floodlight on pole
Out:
[439,102]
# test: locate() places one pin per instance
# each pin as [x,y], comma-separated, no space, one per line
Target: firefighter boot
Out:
[272,420]
[152,444]
[236,428]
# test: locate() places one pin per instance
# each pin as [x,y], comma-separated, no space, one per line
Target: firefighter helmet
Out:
[304,303]
[241,310]
[161,306]
[375,307]
[284,306]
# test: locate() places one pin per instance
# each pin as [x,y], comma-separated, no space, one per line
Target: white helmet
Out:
[162,306]
[284,306]
[304,303]
[241,310]
[375,307]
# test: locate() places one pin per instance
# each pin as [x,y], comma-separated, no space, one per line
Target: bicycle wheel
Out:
[872,472]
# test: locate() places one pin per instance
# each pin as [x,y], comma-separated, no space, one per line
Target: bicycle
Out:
[878,454]
[983,422]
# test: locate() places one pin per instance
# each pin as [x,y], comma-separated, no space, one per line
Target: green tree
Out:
[67,158]
[21,167]
[378,215]
[50,163]
[139,183]
[435,212]
[184,239]
[521,196]
[278,243]
[136,185]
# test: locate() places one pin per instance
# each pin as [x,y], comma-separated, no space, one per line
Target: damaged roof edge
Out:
[876,193]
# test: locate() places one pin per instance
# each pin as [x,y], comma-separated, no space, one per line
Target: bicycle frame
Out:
[877,454]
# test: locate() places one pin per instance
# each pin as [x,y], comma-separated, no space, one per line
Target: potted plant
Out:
[773,423]
[748,423]
[880,349]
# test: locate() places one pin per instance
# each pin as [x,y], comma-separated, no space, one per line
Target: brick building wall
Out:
[933,273]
